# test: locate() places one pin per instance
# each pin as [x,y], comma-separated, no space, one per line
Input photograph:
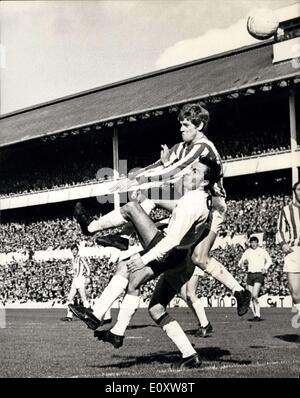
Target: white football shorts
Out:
[79,282]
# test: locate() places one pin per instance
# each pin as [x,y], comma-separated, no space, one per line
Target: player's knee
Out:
[156,312]
[255,298]
[129,208]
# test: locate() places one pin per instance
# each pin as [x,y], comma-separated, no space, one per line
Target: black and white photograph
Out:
[150,191]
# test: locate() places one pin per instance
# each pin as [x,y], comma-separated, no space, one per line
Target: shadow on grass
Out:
[191,332]
[164,357]
[289,338]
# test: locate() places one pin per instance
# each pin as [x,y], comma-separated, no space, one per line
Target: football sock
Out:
[252,307]
[127,310]
[220,273]
[200,312]
[179,338]
[113,290]
[86,304]
[107,315]
[109,220]
[69,313]
[256,308]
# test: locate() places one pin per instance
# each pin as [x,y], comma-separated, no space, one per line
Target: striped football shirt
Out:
[182,155]
[80,267]
[288,225]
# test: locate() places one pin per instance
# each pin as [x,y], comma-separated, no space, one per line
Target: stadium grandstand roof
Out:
[212,76]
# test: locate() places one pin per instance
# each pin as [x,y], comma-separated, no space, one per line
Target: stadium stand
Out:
[59,168]
[63,143]
[49,280]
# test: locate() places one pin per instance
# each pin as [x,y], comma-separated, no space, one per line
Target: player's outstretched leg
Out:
[188,293]
[115,218]
[70,299]
[147,232]
[94,318]
[130,304]
[115,336]
[83,218]
[210,265]
[162,295]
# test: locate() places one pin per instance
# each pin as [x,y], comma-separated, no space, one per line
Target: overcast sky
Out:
[50,49]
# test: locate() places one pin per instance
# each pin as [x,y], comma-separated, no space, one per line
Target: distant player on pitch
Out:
[81,273]
[258,261]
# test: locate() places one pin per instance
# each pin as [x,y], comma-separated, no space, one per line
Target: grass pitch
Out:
[35,343]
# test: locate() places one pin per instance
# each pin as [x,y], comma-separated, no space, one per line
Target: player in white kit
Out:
[258,261]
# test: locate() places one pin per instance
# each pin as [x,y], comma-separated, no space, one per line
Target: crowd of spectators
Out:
[45,178]
[254,215]
[50,280]
[73,169]
[244,216]
[244,145]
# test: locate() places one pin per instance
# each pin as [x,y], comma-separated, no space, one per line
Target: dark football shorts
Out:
[255,277]
[175,256]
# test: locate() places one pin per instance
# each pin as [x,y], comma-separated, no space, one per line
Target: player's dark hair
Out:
[295,186]
[196,114]
[74,246]
[253,239]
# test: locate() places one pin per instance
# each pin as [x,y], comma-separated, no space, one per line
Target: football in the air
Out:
[262,24]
